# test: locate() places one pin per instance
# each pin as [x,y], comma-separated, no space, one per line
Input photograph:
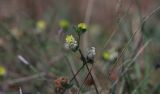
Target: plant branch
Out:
[85,63]
[85,79]
[76,73]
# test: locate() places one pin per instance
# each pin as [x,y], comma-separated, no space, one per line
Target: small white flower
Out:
[74,45]
[91,54]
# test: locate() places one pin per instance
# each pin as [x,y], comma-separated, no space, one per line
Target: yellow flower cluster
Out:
[69,39]
[71,43]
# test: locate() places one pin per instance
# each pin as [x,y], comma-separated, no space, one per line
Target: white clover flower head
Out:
[71,43]
[91,54]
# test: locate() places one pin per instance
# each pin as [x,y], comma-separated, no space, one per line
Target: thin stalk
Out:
[85,63]
[77,73]
[83,59]
[131,63]
[85,79]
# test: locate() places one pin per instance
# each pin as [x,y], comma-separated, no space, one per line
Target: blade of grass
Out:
[131,63]
[145,80]
[85,79]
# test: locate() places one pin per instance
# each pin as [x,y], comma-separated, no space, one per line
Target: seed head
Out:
[91,54]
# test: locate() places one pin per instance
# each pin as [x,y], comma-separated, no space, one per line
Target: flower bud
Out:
[82,27]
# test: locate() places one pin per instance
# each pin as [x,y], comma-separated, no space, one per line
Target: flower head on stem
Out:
[81,28]
[71,43]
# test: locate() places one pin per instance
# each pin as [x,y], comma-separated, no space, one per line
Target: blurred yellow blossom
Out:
[41,24]
[82,26]
[2,71]
[106,55]
[69,39]
[64,24]
[110,55]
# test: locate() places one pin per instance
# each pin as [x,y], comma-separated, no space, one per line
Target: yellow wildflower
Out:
[106,55]
[71,43]
[64,24]
[41,24]
[110,55]
[69,39]
[2,71]
[82,26]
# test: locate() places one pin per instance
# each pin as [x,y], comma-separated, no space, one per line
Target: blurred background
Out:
[32,53]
